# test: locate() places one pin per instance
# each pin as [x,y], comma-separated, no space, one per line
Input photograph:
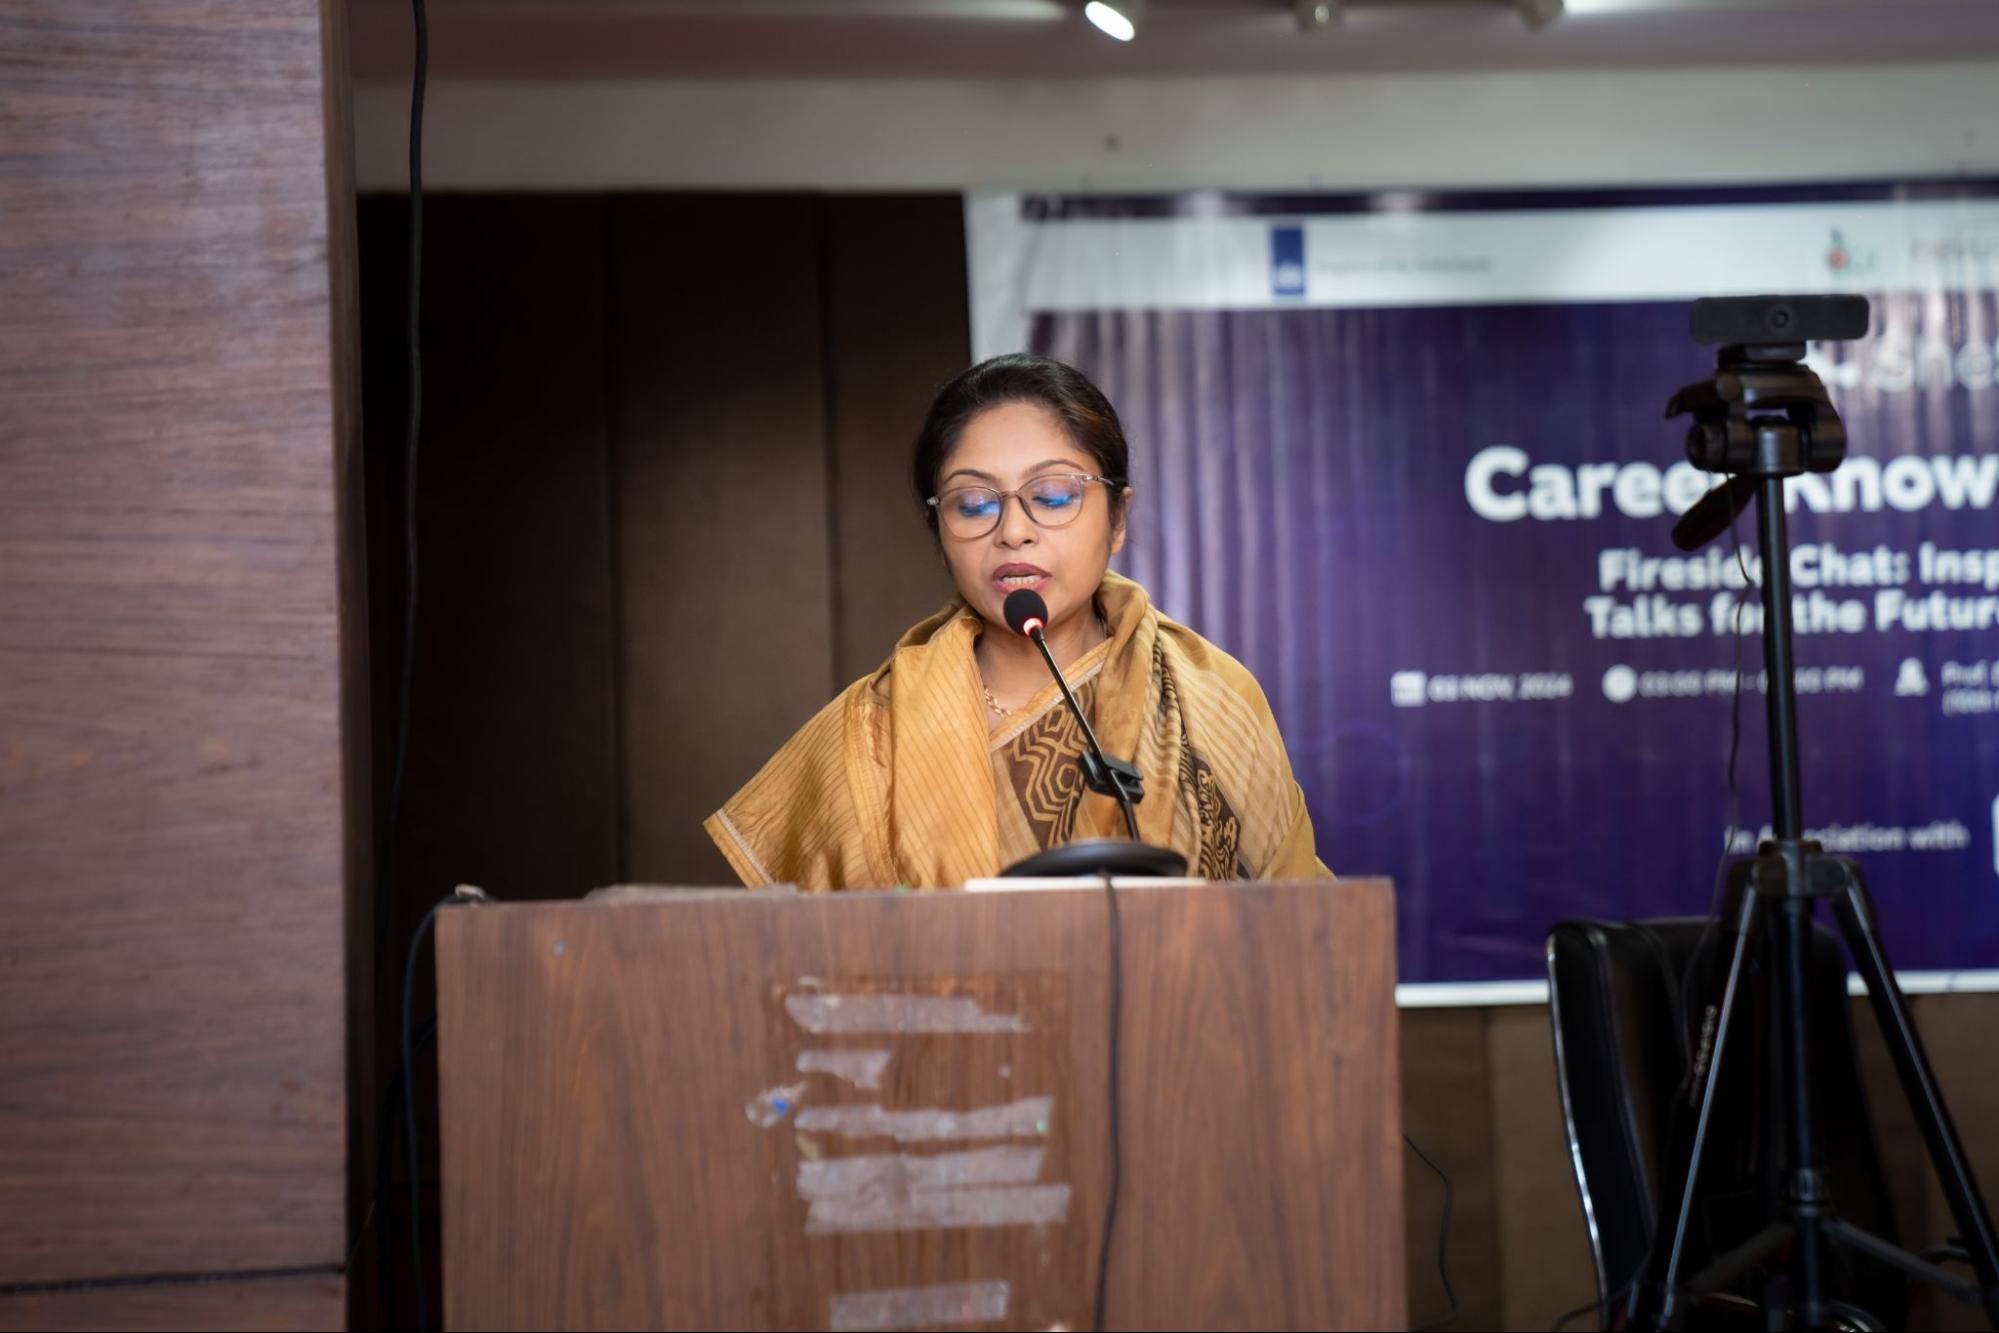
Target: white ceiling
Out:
[1003,39]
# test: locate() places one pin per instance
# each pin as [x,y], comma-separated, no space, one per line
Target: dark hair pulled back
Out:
[1086,416]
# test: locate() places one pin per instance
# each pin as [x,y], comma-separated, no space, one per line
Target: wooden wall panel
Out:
[897,327]
[303,1304]
[512,776]
[725,571]
[1543,1241]
[592,364]
[171,1038]
[357,695]
[512,773]
[1446,1096]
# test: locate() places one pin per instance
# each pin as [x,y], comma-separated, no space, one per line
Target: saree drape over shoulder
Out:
[898,781]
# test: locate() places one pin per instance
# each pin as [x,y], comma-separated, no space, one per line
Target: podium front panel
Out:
[724,1109]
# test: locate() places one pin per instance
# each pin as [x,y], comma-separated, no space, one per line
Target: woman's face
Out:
[1005,448]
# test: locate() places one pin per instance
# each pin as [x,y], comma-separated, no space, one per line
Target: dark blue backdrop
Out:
[1302,501]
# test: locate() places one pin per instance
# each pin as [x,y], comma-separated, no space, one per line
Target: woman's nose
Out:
[1015,527]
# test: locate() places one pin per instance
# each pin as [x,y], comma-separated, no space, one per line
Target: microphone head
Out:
[1025,611]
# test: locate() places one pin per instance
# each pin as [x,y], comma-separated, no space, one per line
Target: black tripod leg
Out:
[1804,1183]
[1891,1011]
[1913,1266]
[1744,1257]
[1655,1299]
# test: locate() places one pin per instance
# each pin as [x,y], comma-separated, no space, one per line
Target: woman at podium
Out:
[957,756]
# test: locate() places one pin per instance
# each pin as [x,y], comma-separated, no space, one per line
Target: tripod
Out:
[1765,417]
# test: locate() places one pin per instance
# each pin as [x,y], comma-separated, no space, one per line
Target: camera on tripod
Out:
[1763,417]
[1764,410]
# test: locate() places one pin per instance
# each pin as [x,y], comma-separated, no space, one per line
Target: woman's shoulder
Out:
[938,634]
[1197,658]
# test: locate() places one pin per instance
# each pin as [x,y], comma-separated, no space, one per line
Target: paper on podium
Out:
[648,893]
[1093,882]
[664,893]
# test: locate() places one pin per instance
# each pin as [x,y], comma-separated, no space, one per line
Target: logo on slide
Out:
[1841,259]
[1912,680]
[1620,684]
[1287,261]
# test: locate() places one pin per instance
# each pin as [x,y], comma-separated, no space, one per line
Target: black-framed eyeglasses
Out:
[1052,500]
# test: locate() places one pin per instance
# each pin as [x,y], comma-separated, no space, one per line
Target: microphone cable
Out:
[387,845]
[1443,1239]
[385,864]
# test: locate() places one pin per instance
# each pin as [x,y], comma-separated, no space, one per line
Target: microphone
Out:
[1026,613]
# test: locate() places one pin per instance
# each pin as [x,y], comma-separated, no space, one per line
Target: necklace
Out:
[987,690]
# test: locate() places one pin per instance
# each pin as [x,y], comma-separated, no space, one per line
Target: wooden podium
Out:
[723,1109]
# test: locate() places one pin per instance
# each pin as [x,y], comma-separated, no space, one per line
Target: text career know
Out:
[1504,485]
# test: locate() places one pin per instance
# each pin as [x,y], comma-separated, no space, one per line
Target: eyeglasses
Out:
[1052,501]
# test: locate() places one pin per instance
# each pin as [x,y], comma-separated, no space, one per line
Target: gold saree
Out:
[898,782]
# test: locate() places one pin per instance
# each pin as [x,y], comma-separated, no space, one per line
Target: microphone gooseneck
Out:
[1026,613]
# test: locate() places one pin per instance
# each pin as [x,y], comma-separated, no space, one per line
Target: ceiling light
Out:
[1318,15]
[1119,18]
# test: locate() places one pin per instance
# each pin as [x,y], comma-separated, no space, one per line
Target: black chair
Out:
[1628,1002]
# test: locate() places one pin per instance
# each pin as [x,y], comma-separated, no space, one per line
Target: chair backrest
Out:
[1627,1002]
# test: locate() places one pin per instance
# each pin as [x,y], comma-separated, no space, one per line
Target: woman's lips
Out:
[1013,577]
